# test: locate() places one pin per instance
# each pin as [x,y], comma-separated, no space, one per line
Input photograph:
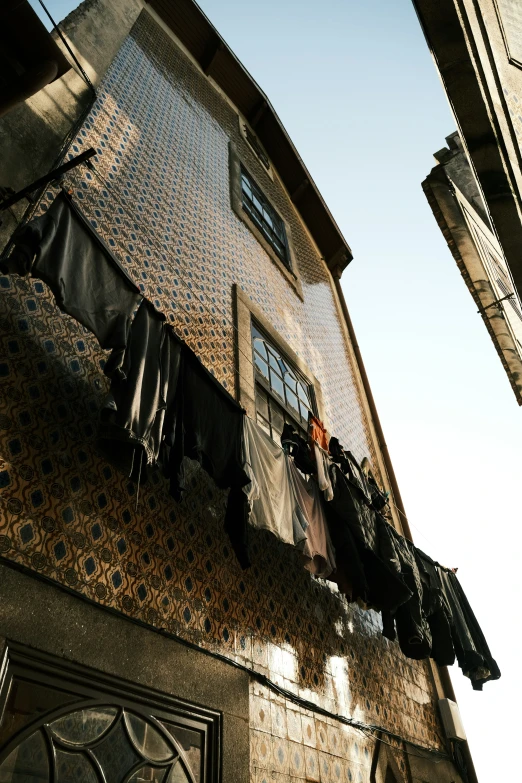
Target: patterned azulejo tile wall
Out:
[161,198]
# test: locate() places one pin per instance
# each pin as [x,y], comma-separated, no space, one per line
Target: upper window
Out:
[511,15]
[264,216]
[282,393]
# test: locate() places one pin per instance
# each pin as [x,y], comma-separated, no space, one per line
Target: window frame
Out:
[247,312]
[89,688]
[289,269]
[260,380]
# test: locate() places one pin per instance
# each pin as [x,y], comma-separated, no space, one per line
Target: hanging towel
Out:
[62,249]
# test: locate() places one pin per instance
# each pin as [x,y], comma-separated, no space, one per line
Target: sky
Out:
[355,86]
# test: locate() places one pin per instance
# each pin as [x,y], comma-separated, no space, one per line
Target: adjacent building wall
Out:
[454,197]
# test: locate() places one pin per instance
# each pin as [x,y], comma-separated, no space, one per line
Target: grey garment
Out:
[62,249]
[318,550]
[270,493]
[133,414]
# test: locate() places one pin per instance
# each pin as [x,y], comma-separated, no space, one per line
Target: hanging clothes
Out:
[203,423]
[63,250]
[351,469]
[318,432]
[413,631]
[270,492]
[351,522]
[318,550]
[472,651]
[143,384]
[323,476]
[436,610]
[297,446]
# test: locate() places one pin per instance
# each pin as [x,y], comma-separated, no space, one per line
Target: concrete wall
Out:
[31,135]
[161,199]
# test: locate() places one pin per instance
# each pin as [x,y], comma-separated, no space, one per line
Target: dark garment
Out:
[295,445]
[141,389]
[413,631]
[353,529]
[436,610]
[471,648]
[205,424]
[351,469]
[62,249]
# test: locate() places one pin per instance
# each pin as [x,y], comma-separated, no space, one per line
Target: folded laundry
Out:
[63,250]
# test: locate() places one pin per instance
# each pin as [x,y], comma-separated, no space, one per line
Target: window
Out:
[282,394]
[254,142]
[511,16]
[264,216]
[61,722]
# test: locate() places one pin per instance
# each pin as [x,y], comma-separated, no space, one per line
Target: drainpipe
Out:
[447,686]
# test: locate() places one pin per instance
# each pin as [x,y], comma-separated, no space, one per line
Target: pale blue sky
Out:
[355,86]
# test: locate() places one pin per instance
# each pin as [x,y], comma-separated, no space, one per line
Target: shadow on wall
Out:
[71,517]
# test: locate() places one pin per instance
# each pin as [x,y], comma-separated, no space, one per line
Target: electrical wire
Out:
[262,679]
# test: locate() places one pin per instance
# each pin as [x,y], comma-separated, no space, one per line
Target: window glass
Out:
[282,393]
[264,216]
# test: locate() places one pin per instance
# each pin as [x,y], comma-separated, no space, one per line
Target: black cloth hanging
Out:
[143,385]
[205,424]
[63,250]
[436,610]
[353,524]
[413,630]
[473,655]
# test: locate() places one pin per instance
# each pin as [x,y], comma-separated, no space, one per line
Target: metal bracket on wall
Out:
[497,302]
[51,176]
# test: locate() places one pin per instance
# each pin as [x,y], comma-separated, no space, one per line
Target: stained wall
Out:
[160,196]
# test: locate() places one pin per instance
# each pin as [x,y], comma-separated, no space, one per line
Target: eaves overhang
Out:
[190,25]
[441,198]
[449,35]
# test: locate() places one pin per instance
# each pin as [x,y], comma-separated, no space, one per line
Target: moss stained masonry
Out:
[160,197]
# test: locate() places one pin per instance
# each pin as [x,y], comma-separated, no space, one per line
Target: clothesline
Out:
[163,402]
[188,285]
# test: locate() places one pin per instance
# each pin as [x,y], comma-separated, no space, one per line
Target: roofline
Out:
[215,58]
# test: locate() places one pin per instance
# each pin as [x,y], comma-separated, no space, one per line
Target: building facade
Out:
[476,46]
[126,622]
[456,202]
